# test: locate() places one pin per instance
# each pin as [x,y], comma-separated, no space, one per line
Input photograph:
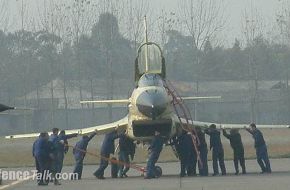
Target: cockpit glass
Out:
[150,80]
[154,59]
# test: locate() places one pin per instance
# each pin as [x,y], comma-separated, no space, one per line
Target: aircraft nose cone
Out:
[152,103]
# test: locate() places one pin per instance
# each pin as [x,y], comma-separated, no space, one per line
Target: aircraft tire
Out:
[114,169]
[158,171]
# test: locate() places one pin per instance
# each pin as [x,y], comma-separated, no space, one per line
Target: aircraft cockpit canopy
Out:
[149,60]
[150,79]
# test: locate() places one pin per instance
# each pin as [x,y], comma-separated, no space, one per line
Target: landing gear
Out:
[158,171]
[114,168]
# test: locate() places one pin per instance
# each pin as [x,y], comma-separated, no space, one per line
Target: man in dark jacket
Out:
[238,148]
[202,167]
[63,148]
[127,149]
[41,151]
[191,169]
[261,149]
[79,152]
[187,154]
[55,143]
[182,147]
[154,149]
[33,151]
[217,149]
[108,147]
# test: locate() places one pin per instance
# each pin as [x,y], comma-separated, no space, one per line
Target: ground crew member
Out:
[238,148]
[182,147]
[202,148]
[41,151]
[108,147]
[191,170]
[33,150]
[154,149]
[63,148]
[217,149]
[261,149]
[79,153]
[127,149]
[56,162]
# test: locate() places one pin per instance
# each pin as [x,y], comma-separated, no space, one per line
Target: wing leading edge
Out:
[200,97]
[100,129]
[229,126]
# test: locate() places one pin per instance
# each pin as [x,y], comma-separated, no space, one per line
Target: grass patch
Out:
[18,153]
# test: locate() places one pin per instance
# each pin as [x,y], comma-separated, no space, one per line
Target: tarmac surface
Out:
[170,180]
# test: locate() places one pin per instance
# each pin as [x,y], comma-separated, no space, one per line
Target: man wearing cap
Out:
[183,148]
[238,148]
[202,148]
[261,148]
[217,150]
[79,152]
[63,148]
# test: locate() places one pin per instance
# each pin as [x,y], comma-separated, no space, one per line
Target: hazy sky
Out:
[233,11]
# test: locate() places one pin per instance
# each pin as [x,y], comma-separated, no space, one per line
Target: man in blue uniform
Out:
[41,151]
[56,162]
[108,147]
[217,150]
[127,149]
[182,145]
[79,152]
[261,149]
[154,149]
[191,170]
[202,148]
[33,151]
[187,154]
[238,148]
[63,148]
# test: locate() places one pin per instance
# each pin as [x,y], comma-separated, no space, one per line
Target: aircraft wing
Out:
[100,129]
[200,97]
[228,126]
[120,101]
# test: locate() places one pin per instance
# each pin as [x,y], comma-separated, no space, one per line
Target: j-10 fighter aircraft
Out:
[154,105]
[150,106]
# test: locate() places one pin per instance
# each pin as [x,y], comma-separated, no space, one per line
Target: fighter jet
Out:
[154,104]
[5,108]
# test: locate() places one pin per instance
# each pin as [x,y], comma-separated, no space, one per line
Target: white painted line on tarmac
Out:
[16,182]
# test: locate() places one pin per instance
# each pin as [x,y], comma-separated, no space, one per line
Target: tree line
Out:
[32,59]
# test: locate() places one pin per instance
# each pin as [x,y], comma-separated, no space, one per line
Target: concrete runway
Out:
[279,179]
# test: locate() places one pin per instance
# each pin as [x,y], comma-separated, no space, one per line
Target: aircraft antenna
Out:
[146,48]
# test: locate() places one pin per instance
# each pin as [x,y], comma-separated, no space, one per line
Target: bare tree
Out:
[134,15]
[165,22]
[253,27]
[4,14]
[283,23]
[48,21]
[203,19]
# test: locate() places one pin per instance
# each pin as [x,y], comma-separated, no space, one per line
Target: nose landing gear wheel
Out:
[158,171]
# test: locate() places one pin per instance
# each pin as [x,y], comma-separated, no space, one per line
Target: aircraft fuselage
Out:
[150,110]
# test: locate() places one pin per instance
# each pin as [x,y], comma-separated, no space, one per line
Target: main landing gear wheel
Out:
[114,168]
[158,171]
